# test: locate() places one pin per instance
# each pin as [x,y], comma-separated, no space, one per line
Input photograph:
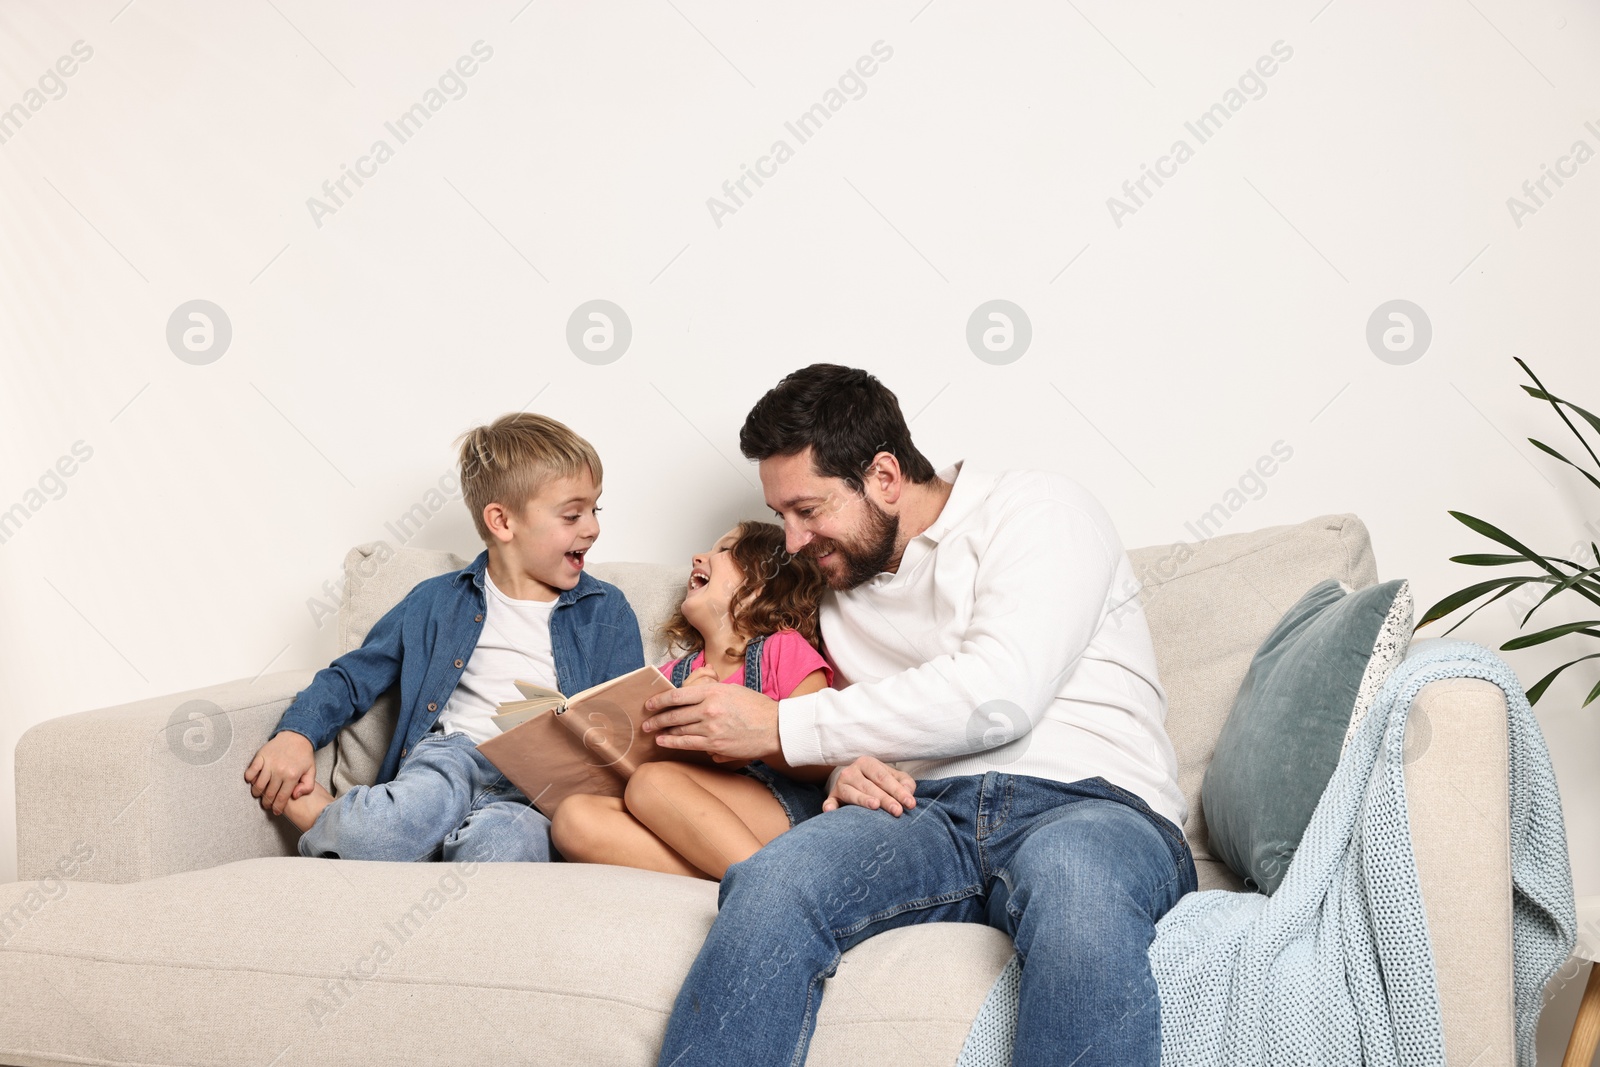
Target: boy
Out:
[524,609]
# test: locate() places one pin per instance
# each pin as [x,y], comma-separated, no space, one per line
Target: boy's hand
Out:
[702,676]
[872,783]
[284,768]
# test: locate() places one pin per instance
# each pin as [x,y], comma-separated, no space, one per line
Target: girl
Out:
[749,618]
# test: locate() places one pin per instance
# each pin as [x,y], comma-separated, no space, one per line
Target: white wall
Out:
[1172,346]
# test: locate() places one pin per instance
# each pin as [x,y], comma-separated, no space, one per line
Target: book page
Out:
[518,712]
[537,692]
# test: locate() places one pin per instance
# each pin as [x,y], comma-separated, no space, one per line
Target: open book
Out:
[552,746]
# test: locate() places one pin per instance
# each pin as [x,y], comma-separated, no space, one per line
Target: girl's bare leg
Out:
[596,829]
[712,818]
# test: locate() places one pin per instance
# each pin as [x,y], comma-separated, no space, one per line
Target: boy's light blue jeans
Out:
[1076,873]
[446,803]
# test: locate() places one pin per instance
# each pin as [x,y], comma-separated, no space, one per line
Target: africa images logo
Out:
[337,192]
[805,126]
[1251,85]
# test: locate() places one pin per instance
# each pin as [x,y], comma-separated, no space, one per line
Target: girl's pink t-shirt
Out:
[786,659]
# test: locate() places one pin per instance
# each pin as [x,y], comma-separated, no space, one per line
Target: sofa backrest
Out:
[1210,604]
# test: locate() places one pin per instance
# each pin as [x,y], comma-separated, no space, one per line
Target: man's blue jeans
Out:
[1076,873]
[446,803]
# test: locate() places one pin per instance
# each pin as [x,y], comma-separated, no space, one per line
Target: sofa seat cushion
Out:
[1214,874]
[289,960]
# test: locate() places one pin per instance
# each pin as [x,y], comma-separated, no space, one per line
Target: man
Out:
[984,639]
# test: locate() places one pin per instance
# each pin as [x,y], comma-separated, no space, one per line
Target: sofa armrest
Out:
[1457,796]
[154,787]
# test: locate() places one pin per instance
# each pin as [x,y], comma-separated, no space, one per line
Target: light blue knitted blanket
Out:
[1336,967]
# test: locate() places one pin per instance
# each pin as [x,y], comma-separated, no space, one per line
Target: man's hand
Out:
[872,783]
[724,720]
[708,676]
[284,768]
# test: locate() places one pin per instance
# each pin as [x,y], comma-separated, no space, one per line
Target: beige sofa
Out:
[174,924]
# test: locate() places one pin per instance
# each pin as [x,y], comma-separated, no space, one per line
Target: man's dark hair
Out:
[846,415]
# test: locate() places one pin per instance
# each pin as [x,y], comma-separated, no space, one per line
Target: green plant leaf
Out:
[1464,619]
[1496,534]
[1544,683]
[1561,587]
[1527,556]
[1579,578]
[1541,446]
[1529,640]
[1556,402]
[1591,419]
[1462,597]
[1542,394]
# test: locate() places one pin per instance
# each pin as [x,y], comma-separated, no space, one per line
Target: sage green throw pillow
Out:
[1309,686]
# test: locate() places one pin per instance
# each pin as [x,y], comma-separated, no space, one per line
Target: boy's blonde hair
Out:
[510,460]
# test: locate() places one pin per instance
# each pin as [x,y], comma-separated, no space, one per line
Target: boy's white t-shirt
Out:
[514,645]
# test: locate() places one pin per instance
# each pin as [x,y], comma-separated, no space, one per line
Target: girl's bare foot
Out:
[303,811]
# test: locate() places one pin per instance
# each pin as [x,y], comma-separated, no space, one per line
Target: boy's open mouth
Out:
[576,558]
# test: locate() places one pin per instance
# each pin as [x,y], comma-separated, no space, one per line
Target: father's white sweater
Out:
[1010,639]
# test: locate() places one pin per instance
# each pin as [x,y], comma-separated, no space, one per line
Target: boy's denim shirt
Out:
[425,641]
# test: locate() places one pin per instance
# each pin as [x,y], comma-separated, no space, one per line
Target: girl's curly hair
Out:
[783,592]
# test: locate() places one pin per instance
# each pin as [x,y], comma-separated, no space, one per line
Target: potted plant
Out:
[1561,576]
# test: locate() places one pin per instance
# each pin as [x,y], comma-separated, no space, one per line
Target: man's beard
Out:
[868,558]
